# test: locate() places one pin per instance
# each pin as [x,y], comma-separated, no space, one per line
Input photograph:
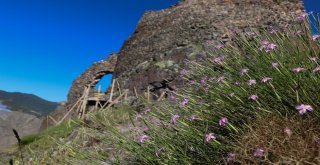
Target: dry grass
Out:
[268,133]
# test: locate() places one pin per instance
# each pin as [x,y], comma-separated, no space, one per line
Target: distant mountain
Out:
[25,124]
[27,103]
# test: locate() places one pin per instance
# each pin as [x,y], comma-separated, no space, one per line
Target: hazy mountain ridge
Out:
[27,103]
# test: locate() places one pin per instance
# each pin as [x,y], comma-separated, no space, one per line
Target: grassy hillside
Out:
[253,103]
[27,103]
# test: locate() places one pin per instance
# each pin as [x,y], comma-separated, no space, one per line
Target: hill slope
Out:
[27,103]
[25,124]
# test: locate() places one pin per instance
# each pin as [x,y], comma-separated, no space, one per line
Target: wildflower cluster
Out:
[269,74]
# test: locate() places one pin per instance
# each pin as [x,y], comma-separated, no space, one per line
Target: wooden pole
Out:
[73,107]
[119,87]
[126,96]
[85,102]
[117,99]
[98,97]
[161,96]
[55,122]
[135,92]
[111,93]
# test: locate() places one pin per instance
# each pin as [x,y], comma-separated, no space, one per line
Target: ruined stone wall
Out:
[90,78]
[163,39]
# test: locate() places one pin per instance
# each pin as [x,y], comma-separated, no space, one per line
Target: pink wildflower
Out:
[264,43]
[231,94]
[270,47]
[231,157]
[266,79]
[223,121]
[316,70]
[174,119]
[303,108]
[212,78]
[303,16]
[237,83]
[185,102]
[275,65]
[192,82]
[210,42]
[220,79]
[172,97]
[203,81]
[288,131]
[193,117]
[147,110]
[219,46]
[244,71]
[314,59]
[143,138]
[251,82]
[299,69]
[267,46]
[138,116]
[273,31]
[251,33]
[183,72]
[315,37]
[299,32]
[253,97]
[259,152]
[219,60]
[210,137]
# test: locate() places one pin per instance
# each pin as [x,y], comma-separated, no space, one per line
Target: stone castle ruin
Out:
[153,56]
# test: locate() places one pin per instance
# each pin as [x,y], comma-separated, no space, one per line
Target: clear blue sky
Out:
[46,44]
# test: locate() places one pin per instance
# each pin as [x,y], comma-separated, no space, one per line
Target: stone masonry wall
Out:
[163,39]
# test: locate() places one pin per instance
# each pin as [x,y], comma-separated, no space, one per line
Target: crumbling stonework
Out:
[90,78]
[163,39]
[87,79]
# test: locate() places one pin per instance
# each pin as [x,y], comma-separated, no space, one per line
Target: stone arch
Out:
[90,78]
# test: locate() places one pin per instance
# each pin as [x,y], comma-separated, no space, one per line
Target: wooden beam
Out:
[73,107]
[161,96]
[117,99]
[85,102]
[112,88]
[135,92]
[119,87]
[126,96]
[55,122]
[98,97]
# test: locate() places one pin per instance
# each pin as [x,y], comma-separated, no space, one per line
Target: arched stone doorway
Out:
[90,78]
